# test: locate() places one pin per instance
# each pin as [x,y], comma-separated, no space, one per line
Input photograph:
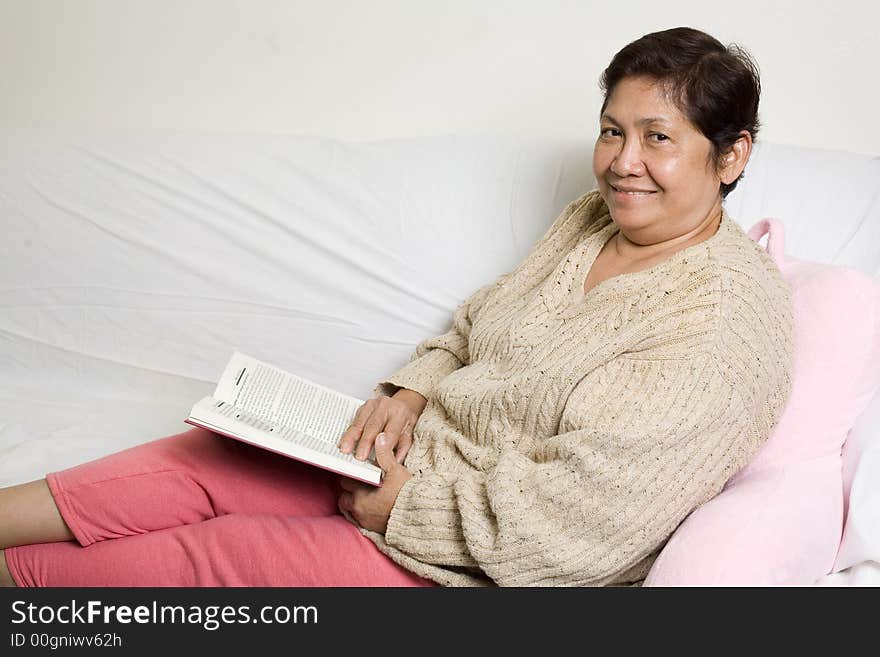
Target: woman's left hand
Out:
[369,505]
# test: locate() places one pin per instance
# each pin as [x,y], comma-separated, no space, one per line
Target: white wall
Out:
[396,68]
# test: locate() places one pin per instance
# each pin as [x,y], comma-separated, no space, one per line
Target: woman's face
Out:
[647,146]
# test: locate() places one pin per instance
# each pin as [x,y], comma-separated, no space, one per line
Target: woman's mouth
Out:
[631,194]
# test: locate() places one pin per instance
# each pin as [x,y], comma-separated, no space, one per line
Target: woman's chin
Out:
[628,216]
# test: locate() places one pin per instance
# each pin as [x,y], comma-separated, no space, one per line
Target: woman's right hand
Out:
[395,416]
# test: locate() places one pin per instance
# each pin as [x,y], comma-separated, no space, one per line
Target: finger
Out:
[374,425]
[404,444]
[394,429]
[384,455]
[349,485]
[346,502]
[350,436]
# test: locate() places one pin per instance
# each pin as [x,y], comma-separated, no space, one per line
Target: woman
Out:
[579,408]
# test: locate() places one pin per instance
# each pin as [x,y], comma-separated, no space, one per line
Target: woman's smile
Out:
[630,196]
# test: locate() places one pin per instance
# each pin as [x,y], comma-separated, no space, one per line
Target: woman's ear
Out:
[734,160]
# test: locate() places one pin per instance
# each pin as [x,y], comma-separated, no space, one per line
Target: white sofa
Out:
[131,266]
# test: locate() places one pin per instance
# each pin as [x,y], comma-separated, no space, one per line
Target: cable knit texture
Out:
[567,435]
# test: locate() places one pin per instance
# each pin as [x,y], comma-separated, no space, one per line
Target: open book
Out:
[265,406]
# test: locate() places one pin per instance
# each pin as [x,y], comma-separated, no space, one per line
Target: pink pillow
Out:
[778,521]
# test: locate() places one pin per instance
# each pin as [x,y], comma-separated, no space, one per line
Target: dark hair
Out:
[716,87]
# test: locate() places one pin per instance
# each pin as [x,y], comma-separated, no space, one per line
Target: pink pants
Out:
[199,509]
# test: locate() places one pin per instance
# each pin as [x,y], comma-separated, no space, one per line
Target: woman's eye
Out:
[660,136]
[609,132]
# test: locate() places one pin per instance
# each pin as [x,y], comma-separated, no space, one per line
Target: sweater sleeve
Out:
[641,444]
[436,357]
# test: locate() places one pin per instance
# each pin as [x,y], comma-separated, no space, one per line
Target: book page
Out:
[220,416]
[281,398]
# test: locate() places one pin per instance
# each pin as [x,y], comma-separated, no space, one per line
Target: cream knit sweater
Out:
[566,435]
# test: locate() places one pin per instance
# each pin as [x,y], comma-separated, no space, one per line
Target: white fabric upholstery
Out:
[132,266]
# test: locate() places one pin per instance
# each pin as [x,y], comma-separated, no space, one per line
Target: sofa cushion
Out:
[861,495]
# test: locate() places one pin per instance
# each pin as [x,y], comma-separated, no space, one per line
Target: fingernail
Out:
[380,439]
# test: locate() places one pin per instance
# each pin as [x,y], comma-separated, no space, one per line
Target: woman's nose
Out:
[628,161]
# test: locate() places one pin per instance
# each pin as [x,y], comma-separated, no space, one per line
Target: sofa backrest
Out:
[829,202]
[330,259]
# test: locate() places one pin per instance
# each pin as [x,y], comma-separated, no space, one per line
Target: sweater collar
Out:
[660,273]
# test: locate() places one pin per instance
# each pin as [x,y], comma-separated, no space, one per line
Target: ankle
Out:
[5,576]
